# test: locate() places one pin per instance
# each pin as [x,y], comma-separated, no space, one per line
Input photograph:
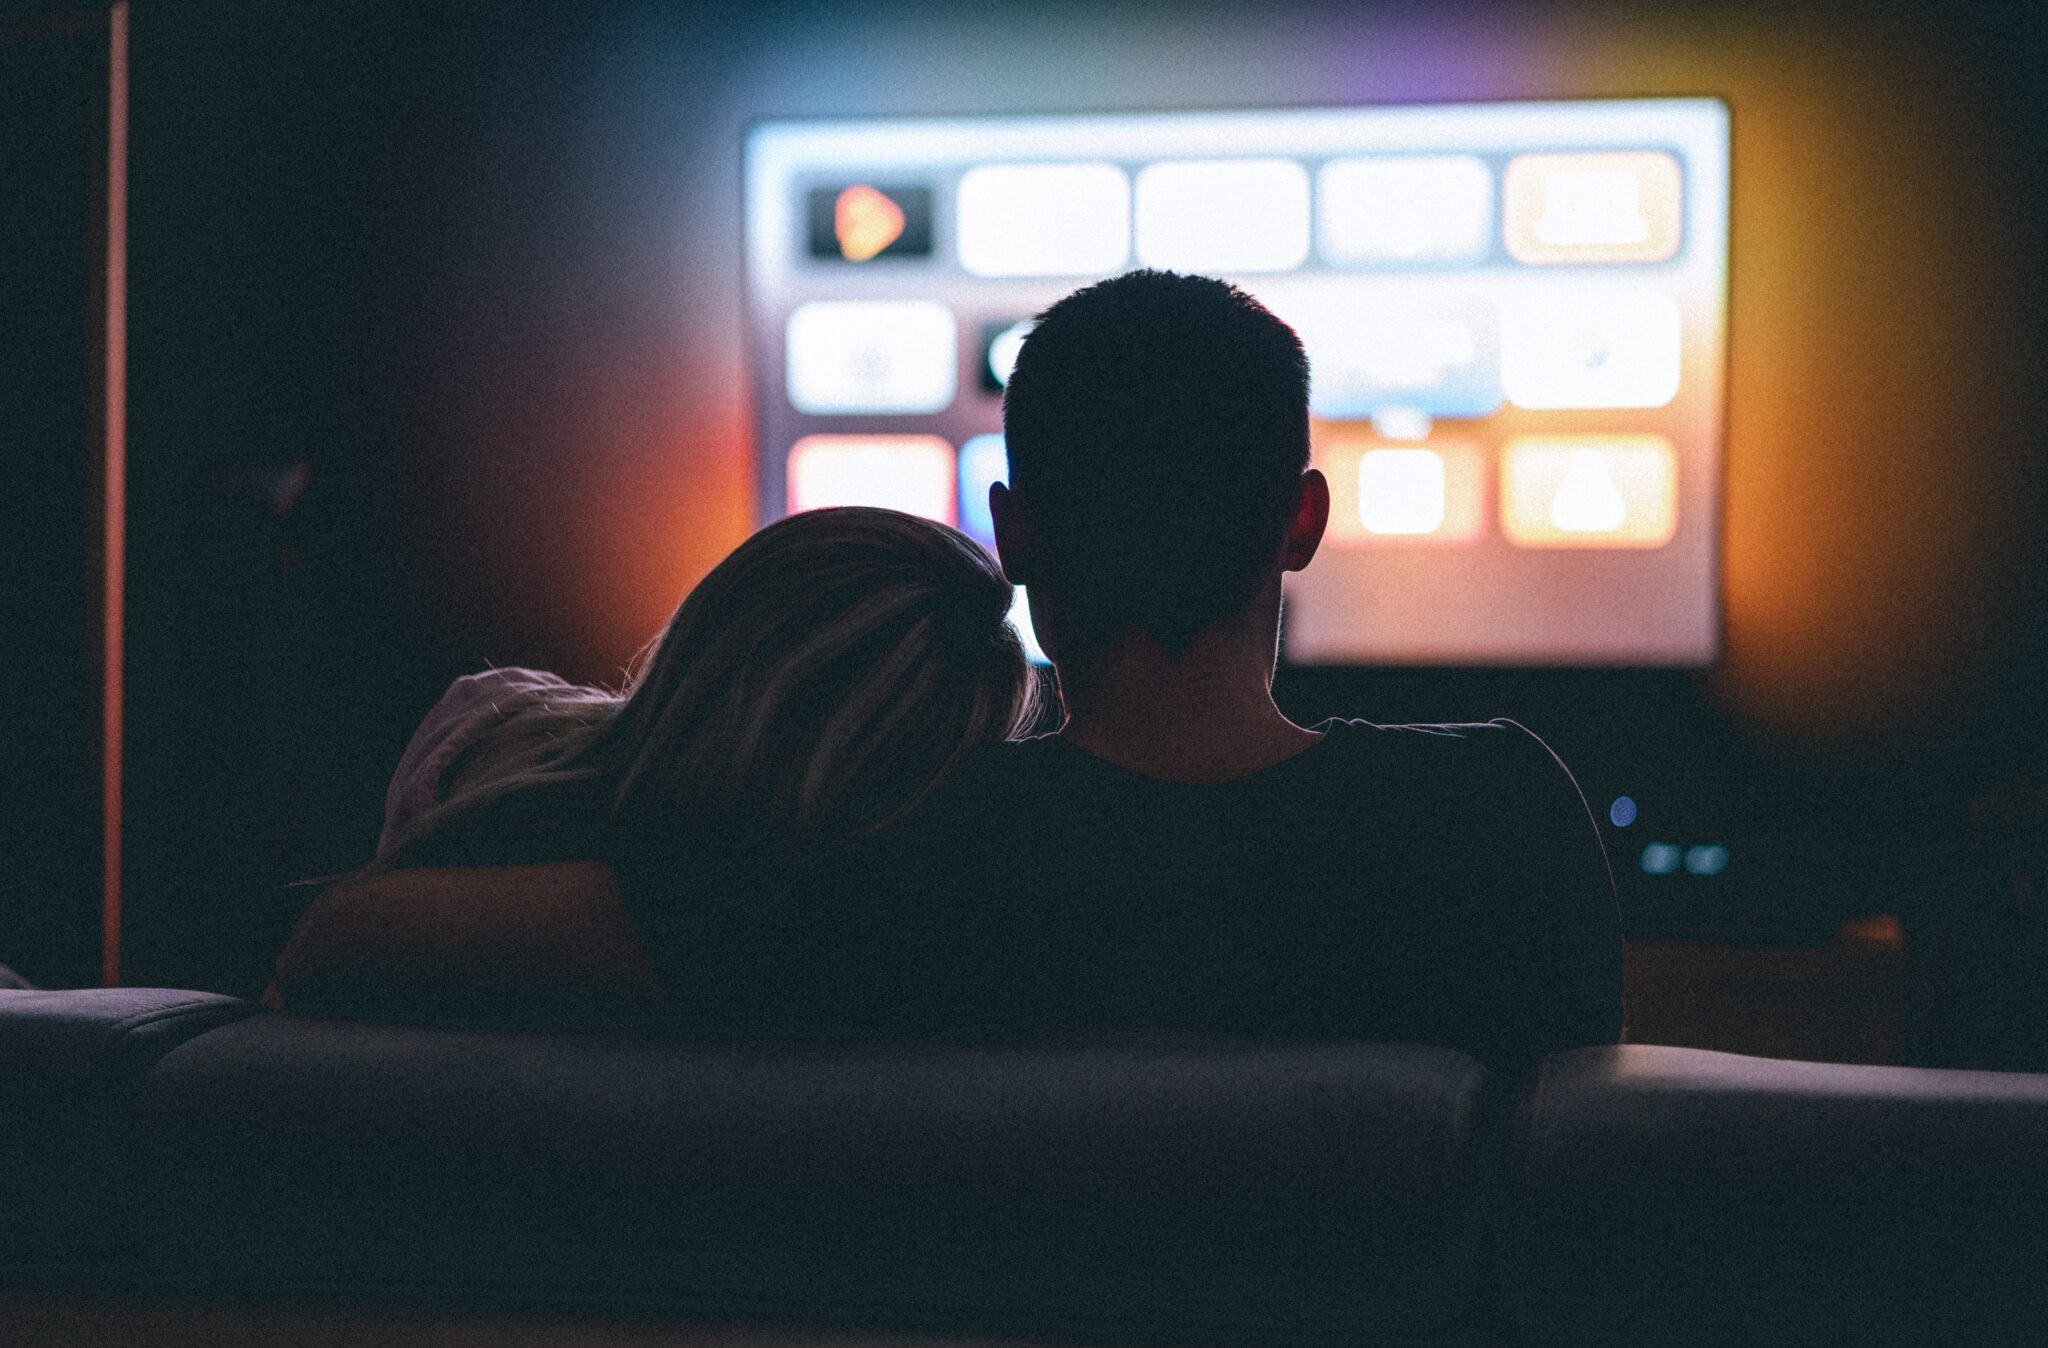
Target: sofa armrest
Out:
[1684,1197]
[71,1070]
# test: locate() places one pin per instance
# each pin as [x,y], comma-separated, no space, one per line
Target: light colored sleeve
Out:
[483,945]
[473,705]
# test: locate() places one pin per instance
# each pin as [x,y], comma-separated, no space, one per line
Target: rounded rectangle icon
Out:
[1404,209]
[1223,216]
[911,473]
[858,222]
[1000,343]
[1617,206]
[1044,219]
[870,357]
[1368,354]
[1384,494]
[983,462]
[1591,348]
[1401,491]
[1589,491]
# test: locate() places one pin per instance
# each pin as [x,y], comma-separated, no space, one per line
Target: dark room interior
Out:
[422,334]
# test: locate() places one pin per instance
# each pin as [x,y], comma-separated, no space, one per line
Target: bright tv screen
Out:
[1514,315]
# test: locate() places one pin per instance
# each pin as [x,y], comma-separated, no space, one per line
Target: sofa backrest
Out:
[1318,1193]
[1163,1191]
[1677,1196]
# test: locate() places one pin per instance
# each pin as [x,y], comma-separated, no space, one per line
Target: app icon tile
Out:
[1401,491]
[1369,353]
[1000,343]
[1396,210]
[873,356]
[1591,348]
[1223,216]
[1385,494]
[1589,491]
[1044,219]
[911,473]
[859,222]
[1593,208]
[983,463]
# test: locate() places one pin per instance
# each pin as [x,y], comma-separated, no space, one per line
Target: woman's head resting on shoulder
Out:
[823,678]
[815,686]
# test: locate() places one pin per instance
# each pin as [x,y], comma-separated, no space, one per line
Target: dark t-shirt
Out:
[1434,884]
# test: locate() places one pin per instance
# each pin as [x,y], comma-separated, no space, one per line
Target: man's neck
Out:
[1206,715]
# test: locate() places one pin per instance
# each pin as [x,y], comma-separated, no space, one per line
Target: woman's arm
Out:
[490,944]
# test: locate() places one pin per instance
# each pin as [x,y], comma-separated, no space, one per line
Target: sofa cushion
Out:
[71,1064]
[1676,1196]
[1198,1191]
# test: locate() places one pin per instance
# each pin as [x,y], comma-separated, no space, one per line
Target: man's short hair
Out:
[1157,429]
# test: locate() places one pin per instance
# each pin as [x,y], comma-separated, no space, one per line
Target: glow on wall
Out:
[1514,314]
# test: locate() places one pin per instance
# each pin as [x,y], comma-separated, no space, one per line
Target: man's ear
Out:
[1311,517]
[1013,537]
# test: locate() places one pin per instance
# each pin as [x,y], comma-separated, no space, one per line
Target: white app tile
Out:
[1044,219]
[1593,207]
[1370,351]
[911,473]
[1587,501]
[1588,206]
[1421,208]
[1589,491]
[870,357]
[1400,491]
[1591,348]
[1223,215]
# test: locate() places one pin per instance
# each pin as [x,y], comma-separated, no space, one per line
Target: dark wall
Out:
[53,77]
[412,350]
[270,653]
[436,361]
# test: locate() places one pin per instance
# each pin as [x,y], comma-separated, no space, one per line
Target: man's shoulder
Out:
[1438,733]
[1499,763]
[1497,778]
[1349,745]
[1356,745]
[1497,745]
[1359,767]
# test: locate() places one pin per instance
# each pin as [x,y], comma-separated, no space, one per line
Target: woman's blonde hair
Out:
[814,687]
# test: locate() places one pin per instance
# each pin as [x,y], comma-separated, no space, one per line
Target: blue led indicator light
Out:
[1660,858]
[1622,812]
[1706,859]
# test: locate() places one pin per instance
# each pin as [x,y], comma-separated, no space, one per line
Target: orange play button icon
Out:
[865,221]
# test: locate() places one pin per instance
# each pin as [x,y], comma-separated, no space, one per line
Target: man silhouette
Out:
[1157,430]
[1180,856]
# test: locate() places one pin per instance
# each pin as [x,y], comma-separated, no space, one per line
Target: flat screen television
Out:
[1515,318]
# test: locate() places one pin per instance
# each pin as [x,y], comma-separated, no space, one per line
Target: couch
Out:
[165,1144]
